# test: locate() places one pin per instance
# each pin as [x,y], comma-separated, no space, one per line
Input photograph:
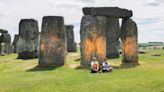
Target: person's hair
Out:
[94,58]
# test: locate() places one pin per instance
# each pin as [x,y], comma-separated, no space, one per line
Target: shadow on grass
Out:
[77,59]
[124,66]
[82,67]
[42,68]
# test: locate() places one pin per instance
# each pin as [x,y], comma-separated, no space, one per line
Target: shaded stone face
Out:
[112,37]
[3,37]
[108,11]
[28,39]
[15,42]
[28,29]
[5,41]
[129,37]
[3,31]
[2,49]
[52,41]
[71,45]
[93,38]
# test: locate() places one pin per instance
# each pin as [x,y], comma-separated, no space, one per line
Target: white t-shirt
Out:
[94,65]
[105,66]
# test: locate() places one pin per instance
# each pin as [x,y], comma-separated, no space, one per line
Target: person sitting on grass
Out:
[95,65]
[106,67]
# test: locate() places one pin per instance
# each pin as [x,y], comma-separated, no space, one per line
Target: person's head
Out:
[94,59]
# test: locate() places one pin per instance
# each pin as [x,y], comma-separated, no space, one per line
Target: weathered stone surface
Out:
[3,37]
[108,11]
[8,46]
[5,41]
[27,44]
[129,37]
[71,45]
[112,37]
[93,38]
[52,41]
[3,31]
[2,48]
[15,42]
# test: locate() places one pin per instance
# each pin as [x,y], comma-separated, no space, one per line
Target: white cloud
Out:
[152,2]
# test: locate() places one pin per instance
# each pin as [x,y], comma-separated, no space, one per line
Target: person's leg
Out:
[93,71]
[103,71]
[99,70]
[110,69]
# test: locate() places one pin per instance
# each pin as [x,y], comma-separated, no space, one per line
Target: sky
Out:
[148,14]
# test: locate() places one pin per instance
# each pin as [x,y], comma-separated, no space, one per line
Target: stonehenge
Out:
[27,43]
[52,41]
[93,38]
[101,34]
[71,45]
[127,33]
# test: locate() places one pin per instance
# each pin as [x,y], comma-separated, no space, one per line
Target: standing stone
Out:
[8,46]
[5,40]
[112,34]
[52,41]
[2,41]
[15,42]
[27,44]
[3,37]
[129,37]
[2,48]
[71,45]
[93,38]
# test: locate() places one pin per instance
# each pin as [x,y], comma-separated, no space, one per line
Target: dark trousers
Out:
[93,71]
[107,70]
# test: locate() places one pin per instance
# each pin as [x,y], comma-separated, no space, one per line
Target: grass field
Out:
[18,75]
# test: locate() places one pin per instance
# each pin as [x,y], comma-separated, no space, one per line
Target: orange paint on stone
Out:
[89,47]
[129,46]
[42,47]
[96,45]
[48,46]
[101,47]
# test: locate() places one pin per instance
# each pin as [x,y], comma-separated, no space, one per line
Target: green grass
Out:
[18,75]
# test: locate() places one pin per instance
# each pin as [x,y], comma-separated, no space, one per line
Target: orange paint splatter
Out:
[129,46]
[95,45]
[49,45]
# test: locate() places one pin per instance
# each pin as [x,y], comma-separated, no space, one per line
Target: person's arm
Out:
[98,66]
[91,65]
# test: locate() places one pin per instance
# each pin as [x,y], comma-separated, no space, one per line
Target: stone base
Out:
[73,48]
[26,55]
